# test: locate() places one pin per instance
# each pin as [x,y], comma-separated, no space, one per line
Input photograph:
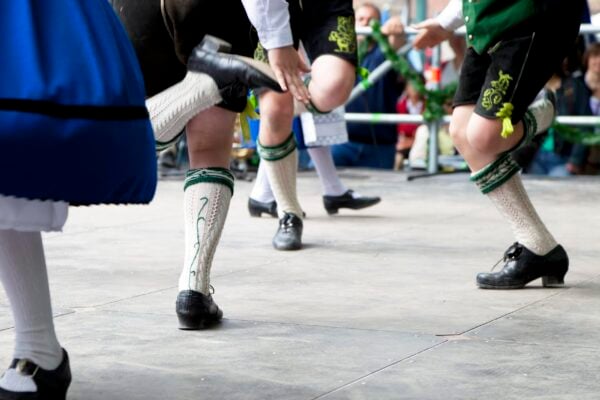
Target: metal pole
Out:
[434,126]
[381,118]
[421,10]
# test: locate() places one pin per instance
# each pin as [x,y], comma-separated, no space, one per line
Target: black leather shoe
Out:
[51,385]
[257,208]
[196,310]
[334,203]
[522,266]
[229,69]
[289,234]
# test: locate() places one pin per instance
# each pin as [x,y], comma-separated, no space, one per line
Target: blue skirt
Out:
[73,122]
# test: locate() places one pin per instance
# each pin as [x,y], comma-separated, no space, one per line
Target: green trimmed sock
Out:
[281,165]
[207,193]
[502,184]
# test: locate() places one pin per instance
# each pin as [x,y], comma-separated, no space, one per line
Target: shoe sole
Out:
[197,325]
[331,211]
[547,282]
[261,66]
[288,248]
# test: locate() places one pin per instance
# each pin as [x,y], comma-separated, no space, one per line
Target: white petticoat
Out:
[32,215]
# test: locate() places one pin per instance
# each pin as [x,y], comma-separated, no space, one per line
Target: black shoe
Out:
[289,234]
[257,208]
[51,385]
[230,70]
[334,203]
[196,310]
[522,266]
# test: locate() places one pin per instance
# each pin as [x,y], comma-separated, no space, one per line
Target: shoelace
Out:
[512,253]
[286,222]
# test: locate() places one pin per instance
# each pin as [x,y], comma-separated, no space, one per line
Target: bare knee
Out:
[331,83]
[276,108]
[484,135]
[458,133]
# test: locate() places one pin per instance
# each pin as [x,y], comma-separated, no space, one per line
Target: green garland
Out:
[574,135]
[435,99]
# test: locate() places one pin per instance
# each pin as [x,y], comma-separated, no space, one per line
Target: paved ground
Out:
[381,304]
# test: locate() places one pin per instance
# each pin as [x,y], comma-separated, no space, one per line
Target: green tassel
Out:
[505,113]
[248,113]
[363,73]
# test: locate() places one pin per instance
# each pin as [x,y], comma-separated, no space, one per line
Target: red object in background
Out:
[405,129]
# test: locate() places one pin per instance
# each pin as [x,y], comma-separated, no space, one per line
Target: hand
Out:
[288,67]
[394,30]
[431,33]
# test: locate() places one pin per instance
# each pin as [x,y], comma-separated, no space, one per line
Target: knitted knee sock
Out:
[171,109]
[207,195]
[25,280]
[502,184]
[330,180]
[281,165]
[538,118]
[261,191]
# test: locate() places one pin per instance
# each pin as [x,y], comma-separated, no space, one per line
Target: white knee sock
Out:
[207,195]
[171,109]
[25,280]
[281,165]
[502,184]
[330,180]
[261,191]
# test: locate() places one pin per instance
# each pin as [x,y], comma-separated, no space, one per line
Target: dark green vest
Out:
[488,20]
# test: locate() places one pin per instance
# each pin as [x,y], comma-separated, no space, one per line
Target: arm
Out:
[272,22]
[451,17]
[435,30]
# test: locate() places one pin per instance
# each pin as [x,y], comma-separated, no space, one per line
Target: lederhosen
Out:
[514,48]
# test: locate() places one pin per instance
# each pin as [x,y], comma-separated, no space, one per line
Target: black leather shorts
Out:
[518,66]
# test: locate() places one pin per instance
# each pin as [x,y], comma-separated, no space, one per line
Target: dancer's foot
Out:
[230,69]
[348,200]
[212,76]
[24,380]
[522,266]
[257,208]
[196,310]
[289,234]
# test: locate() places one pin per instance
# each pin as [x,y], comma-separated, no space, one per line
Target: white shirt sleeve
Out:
[451,17]
[271,19]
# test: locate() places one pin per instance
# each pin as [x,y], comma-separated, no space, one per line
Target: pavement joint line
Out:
[130,297]
[514,311]
[379,370]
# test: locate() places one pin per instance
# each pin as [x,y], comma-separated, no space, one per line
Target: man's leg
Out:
[262,199]
[277,149]
[208,189]
[536,253]
[335,194]
[25,280]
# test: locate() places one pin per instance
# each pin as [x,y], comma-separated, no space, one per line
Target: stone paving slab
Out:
[141,356]
[381,304]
